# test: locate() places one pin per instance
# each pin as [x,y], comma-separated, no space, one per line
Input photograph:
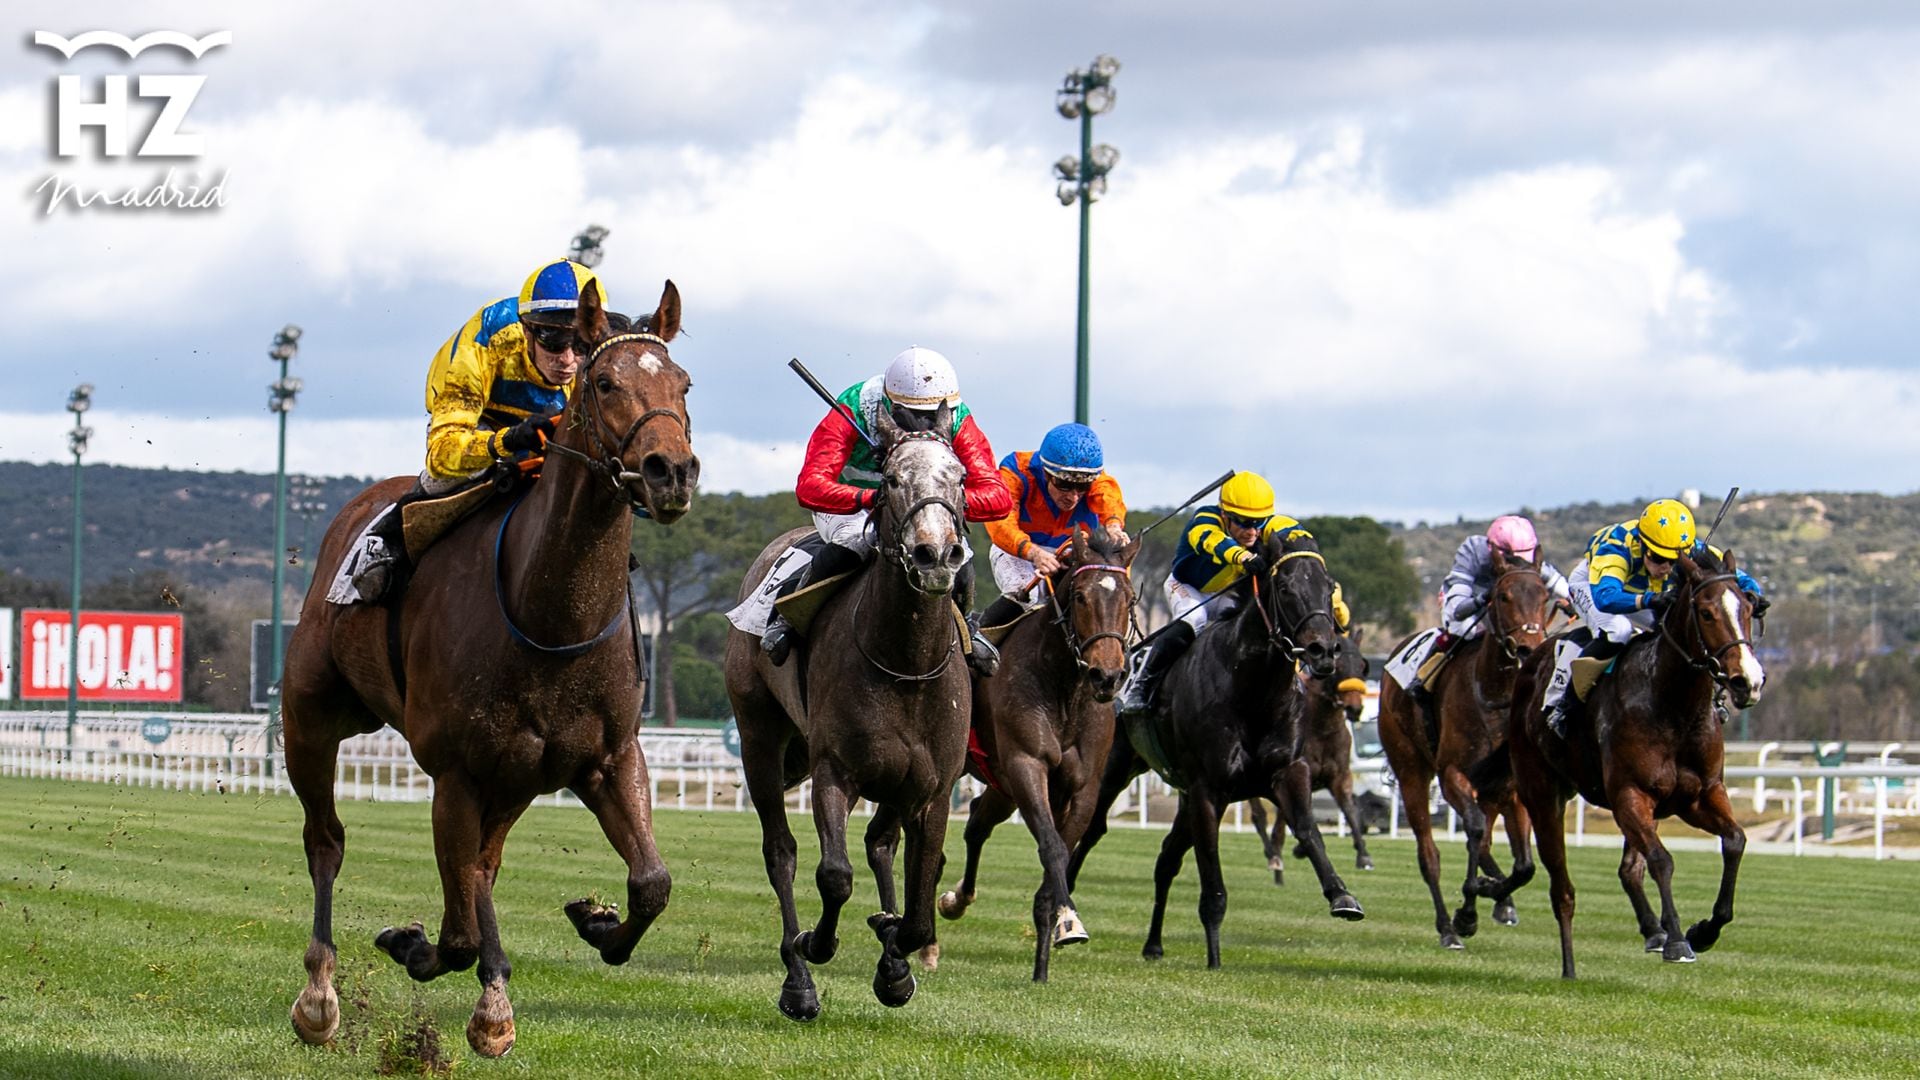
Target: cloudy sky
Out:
[1408,259]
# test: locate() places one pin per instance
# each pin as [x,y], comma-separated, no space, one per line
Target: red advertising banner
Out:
[124,656]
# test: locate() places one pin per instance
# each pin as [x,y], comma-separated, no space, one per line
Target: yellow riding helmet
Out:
[1666,528]
[1247,495]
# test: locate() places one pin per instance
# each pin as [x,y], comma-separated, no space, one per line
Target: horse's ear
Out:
[1082,544]
[943,421]
[885,431]
[666,317]
[1353,635]
[590,318]
[1726,562]
[1130,552]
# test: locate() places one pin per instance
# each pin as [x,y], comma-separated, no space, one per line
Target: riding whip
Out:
[1724,507]
[1194,498]
[800,369]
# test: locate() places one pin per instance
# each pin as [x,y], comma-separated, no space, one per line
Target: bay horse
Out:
[1045,723]
[879,712]
[1229,716]
[1334,702]
[1647,744]
[1472,695]
[509,663]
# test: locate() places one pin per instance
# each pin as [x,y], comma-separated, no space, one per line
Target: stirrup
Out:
[984,658]
[777,642]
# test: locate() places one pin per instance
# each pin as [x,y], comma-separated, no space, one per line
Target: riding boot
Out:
[1599,648]
[383,559]
[982,657]
[830,560]
[1166,648]
[1002,611]
[1423,697]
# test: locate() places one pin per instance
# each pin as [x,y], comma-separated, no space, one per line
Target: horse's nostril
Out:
[956,555]
[923,556]
[655,470]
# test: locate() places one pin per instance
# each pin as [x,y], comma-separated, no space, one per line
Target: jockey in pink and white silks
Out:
[1471,578]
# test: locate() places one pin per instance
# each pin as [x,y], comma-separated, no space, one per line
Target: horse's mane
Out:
[1102,543]
[1705,559]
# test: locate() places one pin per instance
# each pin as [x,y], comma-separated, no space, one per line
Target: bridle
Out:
[1707,661]
[1493,609]
[608,454]
[1281,634]
[1062,612]
[894,550]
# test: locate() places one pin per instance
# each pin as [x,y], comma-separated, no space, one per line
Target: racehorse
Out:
[510,665]
[1472,695]
[1228,722]
[1646,744]
[1333,706]
[1044,723]
[879,713]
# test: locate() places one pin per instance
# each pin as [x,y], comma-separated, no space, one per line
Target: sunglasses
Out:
[1237,522]
[1080,486]
[555,339]
[1658,560]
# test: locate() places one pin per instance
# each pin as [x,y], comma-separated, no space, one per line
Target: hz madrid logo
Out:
[106,106]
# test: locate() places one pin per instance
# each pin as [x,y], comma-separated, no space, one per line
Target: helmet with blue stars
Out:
[1666,528]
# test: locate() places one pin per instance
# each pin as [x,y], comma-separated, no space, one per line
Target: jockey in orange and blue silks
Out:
[1060,487]
[492,392]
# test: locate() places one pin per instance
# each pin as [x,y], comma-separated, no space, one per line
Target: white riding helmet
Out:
[921,379]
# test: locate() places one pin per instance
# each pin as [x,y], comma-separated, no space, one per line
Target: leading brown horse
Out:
[1045,723]
[879,712]
[1646,744]
[508,663]
[1472,695]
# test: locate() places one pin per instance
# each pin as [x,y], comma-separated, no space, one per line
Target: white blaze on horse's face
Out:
[1748,664]
[929,469]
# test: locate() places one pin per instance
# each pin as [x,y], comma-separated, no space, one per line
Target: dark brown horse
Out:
[880,712]
[1646,744]
[1229,720]
[1046,723]
[1333,707]
[509,664]
[1472,695]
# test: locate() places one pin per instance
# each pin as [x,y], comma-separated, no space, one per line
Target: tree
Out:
[1371,567]
[695,565]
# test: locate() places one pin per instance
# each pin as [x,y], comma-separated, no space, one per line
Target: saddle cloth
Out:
[1405,664]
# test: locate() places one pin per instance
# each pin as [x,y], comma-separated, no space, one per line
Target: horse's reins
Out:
[895,551]
[1493,609]
[1283,638]
[1711,665]
[608,464]
[500,595]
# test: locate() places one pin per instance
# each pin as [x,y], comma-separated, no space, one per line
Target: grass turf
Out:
[147,933]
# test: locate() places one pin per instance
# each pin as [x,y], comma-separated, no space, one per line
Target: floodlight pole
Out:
[284,391]
[1082,95]
[1081,375]
[79,401]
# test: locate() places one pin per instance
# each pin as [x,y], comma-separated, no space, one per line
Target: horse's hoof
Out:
[1346,907]
[803,944]
[490,1028]
[1657,942]
[1279,868]
[930,956]
[1067,929]
[399,943]
[1678,952]
[799,1003]
[893,991]
[1450,940]
[882,921]
[1703,935]
[316,1015]
[1466,923]
[952,905]
[1363,862]
[1504,914]
[1151,951]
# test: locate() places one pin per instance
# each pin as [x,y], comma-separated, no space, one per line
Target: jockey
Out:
[1061,486]
[492,392]
[841,479]
[1218,547]
[1469,582]
[1620,588]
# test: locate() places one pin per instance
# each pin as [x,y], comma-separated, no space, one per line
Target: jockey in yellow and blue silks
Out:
[1620,585]
[1219,546]
[492,391]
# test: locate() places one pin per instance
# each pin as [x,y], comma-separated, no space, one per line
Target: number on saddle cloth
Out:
[1405,664]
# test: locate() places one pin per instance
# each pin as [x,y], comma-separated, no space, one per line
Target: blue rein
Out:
[499,594]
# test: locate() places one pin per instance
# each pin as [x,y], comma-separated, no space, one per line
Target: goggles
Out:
[1235,521]
[554,339]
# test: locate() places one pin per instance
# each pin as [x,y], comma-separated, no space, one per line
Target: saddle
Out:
[426,520]
[998,635]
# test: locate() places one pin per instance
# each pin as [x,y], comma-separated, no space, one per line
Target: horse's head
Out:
[1717,617]
[919,512]
[1349,677]
[1096,598]
[1517,605]
[1297,599]
[627,413]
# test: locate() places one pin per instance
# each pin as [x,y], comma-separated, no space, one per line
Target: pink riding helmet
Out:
[1514,535]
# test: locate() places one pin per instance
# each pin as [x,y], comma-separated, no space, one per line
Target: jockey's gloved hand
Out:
[1566,608]
[1658,603]
[1760,604]
[527,436]
[1257,564]
[1468,610]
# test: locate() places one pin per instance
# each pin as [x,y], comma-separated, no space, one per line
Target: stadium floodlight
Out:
[1084,94]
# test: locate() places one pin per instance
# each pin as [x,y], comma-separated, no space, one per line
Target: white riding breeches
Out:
[1191,606]
[1014,575]
[1615,628]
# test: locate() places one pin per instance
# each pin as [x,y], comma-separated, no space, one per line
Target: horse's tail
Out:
[1493,774]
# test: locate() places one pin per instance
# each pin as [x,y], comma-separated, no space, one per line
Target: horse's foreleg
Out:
[616,792]
[490,1028]
[1121,767]
[459,835]
[1633,876]
[882,842]
[912,930]
[1549,815]
[1633,810]
[1520,844]
[1276,846]
[310,769]
[761,760]
[1460,795]
[1413,789]
[1293,793]
[1053,914]
[1173,851]
[988,809]
[1204,821]
[1342,790]
[1257,810]
[832,801]
[1713,814]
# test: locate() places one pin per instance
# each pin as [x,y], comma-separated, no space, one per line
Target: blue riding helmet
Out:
[1072,452]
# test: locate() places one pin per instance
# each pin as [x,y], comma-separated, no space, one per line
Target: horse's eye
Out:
[603,384]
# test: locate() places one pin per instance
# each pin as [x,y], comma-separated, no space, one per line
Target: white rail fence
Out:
[692,769]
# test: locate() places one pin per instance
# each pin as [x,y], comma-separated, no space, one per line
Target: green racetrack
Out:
[151,933]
